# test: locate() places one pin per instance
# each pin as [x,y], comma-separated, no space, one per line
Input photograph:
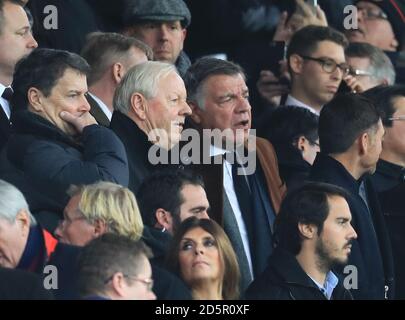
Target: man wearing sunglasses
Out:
[316,61]
[380,23]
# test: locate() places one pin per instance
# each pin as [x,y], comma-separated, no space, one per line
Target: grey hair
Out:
[204,68]
[12,201]
[144,79]
[380,65]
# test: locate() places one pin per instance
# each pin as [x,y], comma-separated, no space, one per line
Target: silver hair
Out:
[380,64]
[144,79]
[12,201]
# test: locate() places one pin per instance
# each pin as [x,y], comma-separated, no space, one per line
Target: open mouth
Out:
[242,124]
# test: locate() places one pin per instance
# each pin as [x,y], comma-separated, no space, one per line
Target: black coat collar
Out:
[287,269]
[29,123]
[334,172]
[391,170]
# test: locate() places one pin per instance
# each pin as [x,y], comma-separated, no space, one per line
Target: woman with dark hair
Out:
[202,255]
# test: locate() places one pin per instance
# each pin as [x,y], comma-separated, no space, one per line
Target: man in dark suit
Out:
[110,56]
[16,41]
[244,201]
[350,135]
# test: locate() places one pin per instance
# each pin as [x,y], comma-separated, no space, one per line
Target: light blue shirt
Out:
[330,284]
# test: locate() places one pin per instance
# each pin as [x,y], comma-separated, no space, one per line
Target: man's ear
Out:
[139,105]
[363,142]
[35,96]
[100,228]
[196,112]
[118,71]
[23,219]
[184,33]
[296,63]
[164,219]
[308,231]
[301,143]
[118,284]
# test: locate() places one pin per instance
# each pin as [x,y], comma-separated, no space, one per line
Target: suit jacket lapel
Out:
[97,112]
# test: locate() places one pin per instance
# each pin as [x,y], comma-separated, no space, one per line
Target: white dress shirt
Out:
[291,101]
[103,106]
[4,103]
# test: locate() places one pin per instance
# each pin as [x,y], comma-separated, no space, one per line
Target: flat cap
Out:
[136,11]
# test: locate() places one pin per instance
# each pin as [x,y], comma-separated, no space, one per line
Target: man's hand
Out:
[304,16]
[78,122]
[353,84]
[283,31]
[270,89]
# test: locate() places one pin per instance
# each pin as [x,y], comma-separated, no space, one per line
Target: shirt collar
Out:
[291,101]
[102,105]
[215,151]
[329,285]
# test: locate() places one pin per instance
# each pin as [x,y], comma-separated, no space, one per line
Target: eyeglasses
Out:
[358,72]
[372,14]
[400,118]
[148,282]
[329,65]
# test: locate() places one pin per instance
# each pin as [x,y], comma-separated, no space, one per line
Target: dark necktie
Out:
[7,94]
[243,193]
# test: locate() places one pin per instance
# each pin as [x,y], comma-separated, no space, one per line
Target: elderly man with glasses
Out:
[370,66]
[380,23]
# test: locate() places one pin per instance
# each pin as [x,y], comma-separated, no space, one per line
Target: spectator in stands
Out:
[293,131]
[389,178]
[247,201]
[370,65]
[202,255]
[92,211]
[99,208]
[162,25]
[110,56]
[150,109]
[350,136]
[317,65]
[57,141]
[380,23]
[166,198]
[314,235]
[115,267]
[23,243]
[17,41]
